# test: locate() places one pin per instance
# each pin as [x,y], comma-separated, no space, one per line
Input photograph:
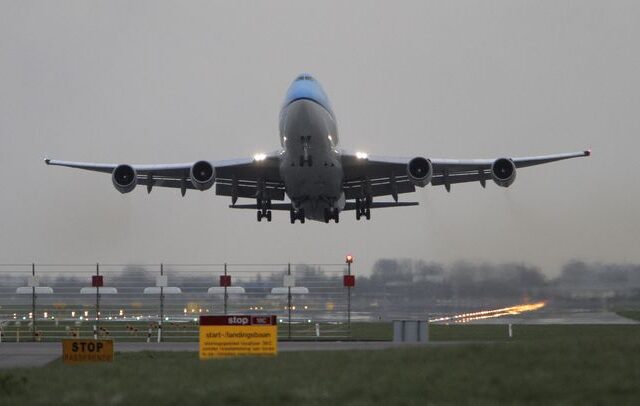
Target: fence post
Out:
[226,296]
[33,303]
[289,300]
[349,261]
[95,335]
[161,305]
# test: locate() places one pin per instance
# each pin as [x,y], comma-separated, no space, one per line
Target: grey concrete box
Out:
[410,331]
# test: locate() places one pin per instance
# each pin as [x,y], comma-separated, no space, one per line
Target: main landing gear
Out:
[331,214]
[296,215]
[264,210]
[363,208]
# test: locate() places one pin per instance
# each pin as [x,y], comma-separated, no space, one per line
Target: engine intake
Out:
[203,175]
[420,171]
[124,178]
[503,172]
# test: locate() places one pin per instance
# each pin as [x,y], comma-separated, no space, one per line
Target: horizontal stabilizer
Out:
[347,206]
[381,205]
[274,206]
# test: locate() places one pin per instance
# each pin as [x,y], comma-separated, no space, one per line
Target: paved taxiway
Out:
[38,354]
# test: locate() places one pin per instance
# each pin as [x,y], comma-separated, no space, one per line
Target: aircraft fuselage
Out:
[310,166]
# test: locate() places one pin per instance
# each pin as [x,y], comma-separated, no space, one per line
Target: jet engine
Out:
[124,178]
[503,172]
[203,175]
[420,171]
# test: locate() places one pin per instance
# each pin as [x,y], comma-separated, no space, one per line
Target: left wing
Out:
[256,177]
[382,176]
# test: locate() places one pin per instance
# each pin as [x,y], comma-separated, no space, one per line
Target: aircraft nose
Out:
[301,110]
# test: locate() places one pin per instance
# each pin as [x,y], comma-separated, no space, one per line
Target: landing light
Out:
[362,155]
[259,157]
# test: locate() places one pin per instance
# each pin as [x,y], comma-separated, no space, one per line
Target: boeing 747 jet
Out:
[319,178]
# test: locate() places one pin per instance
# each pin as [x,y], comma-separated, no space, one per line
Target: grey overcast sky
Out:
[161,82]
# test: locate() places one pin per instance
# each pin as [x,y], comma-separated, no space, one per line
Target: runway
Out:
[561,317]
[14,355]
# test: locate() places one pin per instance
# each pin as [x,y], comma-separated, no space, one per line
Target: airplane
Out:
[319,178]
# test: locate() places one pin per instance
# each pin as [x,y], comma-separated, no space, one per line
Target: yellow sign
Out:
[229,336]
[78,351]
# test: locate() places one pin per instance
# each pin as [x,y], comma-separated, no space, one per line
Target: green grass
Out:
[540,365]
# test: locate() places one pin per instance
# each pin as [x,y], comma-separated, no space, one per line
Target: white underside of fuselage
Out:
[310,165]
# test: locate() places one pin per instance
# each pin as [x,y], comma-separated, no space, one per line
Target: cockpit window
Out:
[304,77]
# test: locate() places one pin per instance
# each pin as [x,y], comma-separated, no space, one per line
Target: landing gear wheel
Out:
[363,208]
[296,215]
[331,213]
[269,216]
[259,215]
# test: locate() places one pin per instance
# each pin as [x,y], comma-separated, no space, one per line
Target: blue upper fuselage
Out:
[305,87]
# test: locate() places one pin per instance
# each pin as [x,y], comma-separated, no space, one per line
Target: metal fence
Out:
[163,302]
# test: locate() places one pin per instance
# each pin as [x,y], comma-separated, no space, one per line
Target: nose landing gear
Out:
[331,214]
[296,215]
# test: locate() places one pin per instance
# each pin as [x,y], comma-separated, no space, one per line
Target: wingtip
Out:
[47,161]
[587,152]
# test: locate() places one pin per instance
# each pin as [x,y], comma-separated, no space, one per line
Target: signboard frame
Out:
[238,335]
[80,350]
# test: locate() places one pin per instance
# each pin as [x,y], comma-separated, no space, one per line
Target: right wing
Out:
[257,177]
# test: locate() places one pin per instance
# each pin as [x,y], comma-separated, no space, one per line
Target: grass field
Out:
[592,364]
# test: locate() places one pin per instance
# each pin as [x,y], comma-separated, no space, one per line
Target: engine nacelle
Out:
[503,172]
[124,178]
[203,175]
[420,171]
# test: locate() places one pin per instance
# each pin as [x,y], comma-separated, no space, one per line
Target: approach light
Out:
[349,259]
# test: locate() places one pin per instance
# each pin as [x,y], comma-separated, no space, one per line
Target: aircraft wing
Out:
[244,177]
[383,176]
